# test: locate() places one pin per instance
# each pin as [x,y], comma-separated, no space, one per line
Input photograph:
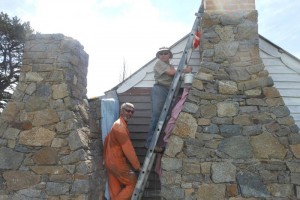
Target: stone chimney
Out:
[47,149]
[235,138]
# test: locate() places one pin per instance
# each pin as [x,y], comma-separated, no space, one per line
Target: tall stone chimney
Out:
[47,149]
[235,138]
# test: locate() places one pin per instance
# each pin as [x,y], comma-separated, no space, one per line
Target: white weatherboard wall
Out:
[285,72]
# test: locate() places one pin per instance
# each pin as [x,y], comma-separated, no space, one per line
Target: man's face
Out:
[164,56]
[127,113]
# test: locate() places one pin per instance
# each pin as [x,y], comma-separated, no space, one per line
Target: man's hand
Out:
[187,69]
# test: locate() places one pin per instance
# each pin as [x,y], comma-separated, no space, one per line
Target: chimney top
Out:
[229,5]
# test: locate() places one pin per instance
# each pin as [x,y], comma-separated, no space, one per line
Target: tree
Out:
[12,39]
[124,73]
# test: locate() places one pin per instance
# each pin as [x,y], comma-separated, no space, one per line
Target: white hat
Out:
[164,49]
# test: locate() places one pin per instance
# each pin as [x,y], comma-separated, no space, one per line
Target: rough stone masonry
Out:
[47,149]
[235,138]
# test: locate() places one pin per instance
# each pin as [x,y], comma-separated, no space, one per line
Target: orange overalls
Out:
[120,160]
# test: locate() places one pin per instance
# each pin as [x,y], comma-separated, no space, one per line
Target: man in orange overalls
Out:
[120,158]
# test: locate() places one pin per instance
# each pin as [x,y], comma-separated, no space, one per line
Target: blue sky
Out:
[114,32]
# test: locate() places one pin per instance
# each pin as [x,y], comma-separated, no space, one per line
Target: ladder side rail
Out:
[143,177]
[186,54]
[176,80]
[150,157]
[176,84]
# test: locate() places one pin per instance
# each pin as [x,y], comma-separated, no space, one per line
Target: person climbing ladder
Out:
[164,73]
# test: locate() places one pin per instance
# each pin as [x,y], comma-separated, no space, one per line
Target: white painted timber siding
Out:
[283,67]
[285,72]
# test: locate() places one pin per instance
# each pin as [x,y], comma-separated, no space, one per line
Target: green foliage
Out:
[12,39]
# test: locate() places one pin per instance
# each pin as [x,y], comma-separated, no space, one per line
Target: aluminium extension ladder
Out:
[174,88]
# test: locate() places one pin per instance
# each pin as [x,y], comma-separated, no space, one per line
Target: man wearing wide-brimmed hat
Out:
[164,73]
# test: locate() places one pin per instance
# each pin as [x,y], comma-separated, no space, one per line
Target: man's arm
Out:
[128,150]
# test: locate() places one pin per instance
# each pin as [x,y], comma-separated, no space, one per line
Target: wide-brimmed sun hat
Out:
[162,49]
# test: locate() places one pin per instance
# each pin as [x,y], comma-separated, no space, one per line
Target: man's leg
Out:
[158,98]
[129,180]
[114,186]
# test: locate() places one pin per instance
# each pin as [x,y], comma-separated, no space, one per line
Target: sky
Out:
[129,32]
